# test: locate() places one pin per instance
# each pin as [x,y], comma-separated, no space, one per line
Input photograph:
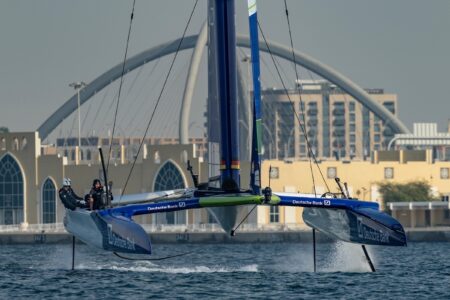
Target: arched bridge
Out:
[242,41]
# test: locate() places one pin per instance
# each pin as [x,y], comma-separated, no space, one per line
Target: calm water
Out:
[228,271]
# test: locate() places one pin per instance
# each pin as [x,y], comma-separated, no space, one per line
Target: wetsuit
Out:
[99,197]
[69,199]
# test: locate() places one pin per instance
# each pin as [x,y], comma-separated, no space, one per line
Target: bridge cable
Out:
[120,86]
[292,105]
[159,97]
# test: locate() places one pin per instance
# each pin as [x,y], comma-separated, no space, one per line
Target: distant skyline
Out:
[401,46]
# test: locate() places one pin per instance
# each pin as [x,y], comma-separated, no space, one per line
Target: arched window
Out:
[48,202]
[88,154]
[73,155]
[3,144]
[169,178]
[11,191]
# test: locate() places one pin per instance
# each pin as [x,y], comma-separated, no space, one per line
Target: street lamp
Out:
[77,86]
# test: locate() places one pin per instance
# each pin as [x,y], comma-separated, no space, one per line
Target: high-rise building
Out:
[336,125]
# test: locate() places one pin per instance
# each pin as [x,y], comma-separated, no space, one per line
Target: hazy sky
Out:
[402,46]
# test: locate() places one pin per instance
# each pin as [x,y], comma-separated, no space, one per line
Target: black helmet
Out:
[96,181]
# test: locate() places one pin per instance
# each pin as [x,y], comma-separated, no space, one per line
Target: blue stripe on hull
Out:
[349,220]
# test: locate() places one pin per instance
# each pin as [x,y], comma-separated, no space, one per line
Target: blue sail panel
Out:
[255,181]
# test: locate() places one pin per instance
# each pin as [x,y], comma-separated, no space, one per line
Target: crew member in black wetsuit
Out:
[97,196]
[68,196]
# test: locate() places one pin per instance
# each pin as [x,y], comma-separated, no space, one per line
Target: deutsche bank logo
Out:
[326,202]
[181,204]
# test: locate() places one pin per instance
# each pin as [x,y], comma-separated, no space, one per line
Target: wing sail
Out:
[256,133]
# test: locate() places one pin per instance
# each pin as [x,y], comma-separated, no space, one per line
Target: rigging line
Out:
[291,102]
[302,108]
[152,259]
[120,86]
[159,97]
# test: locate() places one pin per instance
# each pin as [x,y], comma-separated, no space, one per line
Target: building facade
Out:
[31,175]
[123,150]
[424,136]
[336,125]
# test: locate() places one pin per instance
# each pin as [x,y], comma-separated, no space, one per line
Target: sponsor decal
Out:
[182,204]
[326,202]
[162,207]
[368,233]
[119,242]
[309,202]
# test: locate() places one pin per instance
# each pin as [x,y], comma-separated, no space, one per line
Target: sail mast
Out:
[227,93]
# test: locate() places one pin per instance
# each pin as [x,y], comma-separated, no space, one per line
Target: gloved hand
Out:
[82,202]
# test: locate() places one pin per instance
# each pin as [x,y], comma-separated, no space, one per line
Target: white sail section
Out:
[150,197]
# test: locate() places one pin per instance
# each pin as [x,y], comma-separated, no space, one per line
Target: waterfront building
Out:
[424,136]
[31,175]
[123,149]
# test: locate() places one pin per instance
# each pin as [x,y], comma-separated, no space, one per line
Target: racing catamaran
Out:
[344,218]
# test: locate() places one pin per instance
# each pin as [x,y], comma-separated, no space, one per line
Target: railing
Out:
[33,228]
[158,228]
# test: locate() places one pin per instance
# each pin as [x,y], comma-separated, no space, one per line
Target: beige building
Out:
[336,124]
[31,174]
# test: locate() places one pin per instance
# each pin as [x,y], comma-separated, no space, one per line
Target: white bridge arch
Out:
[192,41]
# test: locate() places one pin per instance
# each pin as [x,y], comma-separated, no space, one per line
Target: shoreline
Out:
[440,234]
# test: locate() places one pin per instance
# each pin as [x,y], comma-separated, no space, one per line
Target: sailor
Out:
[97,196]
[68,197]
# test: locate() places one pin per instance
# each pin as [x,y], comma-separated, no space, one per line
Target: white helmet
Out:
[66,181]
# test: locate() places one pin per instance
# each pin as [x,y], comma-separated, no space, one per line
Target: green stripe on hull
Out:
[230,200]
[235,199]
[274,200]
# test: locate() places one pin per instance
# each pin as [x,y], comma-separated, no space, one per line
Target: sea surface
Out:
[228,271]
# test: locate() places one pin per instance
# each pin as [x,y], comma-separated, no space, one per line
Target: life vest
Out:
[68,198]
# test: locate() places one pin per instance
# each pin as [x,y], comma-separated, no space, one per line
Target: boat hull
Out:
[107,231]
